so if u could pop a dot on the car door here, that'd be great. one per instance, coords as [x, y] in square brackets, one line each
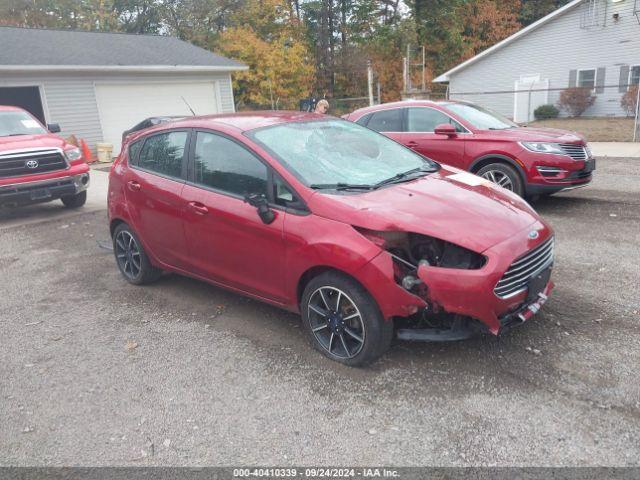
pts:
[228, 242]
[419, 134]
[153, 189]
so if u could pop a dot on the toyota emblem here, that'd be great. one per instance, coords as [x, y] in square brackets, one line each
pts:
[533, 234]
[32, 164]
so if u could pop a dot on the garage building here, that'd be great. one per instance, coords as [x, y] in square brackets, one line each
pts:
[96, 85]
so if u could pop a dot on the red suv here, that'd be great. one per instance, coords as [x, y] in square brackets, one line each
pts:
[527, 161]
[324, 217]
[36, 165]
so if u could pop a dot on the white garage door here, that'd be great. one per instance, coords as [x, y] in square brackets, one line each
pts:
[123, 105]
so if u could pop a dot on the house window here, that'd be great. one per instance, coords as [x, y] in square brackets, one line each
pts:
[634, 75]
[587, 78]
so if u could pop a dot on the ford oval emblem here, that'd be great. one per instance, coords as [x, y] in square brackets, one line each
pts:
[533, 234]
[32, 164]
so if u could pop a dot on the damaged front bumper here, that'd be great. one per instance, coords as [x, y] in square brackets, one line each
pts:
[467, 295]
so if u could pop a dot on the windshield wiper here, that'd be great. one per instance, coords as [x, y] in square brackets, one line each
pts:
[404, 176]
[341, 186]
[15, 134]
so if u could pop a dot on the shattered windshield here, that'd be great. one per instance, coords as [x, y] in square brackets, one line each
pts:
[18, 123]
[327, 153]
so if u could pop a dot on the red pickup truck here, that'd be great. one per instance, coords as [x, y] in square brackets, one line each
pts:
[36, 165]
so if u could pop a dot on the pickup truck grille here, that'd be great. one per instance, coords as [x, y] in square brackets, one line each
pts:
[31, 162]
[577, 152]
[524, 269]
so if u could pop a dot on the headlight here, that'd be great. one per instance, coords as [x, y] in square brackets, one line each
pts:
[73, 154]
[542, 147]
[587, 148]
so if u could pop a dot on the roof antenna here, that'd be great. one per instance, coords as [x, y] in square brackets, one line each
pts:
[188, 106]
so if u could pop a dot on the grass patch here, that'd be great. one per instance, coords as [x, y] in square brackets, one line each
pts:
[595, 129]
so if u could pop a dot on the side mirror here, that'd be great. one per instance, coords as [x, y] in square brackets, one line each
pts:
[446, 129]
[53, 127]
[259, 201]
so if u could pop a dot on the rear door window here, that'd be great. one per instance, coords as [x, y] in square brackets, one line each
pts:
[164, 153]
[427, 119]
[386, 121]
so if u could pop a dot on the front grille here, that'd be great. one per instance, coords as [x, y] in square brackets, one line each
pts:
[577, 152]
[15, 164]
[524, 269]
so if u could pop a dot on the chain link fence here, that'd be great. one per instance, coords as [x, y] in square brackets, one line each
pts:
[620, 101]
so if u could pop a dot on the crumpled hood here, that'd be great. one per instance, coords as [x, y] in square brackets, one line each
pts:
[451, 204]
[538, 134]
[19, 142]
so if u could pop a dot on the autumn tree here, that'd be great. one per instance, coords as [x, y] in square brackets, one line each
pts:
[269, 40]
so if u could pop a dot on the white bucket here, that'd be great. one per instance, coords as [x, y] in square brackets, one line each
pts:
[105, 151]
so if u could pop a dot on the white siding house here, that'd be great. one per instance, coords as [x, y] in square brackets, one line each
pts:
[593, 43]
[96, 85]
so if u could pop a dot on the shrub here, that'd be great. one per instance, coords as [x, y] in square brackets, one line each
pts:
[629, 100]
[546, 111]
[576, 100]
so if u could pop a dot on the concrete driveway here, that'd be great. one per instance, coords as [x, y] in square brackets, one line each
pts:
[97, 372]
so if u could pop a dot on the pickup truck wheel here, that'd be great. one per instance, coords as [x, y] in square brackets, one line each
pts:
[131, 258]
[343, 321]
[75, 201]
[503, 175]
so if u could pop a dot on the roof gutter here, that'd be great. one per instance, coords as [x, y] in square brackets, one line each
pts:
[121, 68]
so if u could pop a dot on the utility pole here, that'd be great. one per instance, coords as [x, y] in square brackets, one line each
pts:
[409, 86]
[379, 100]
[636, 125]
[424, 83]
[370, 82]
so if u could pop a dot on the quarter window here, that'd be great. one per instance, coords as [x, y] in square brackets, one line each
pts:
[163, 153]
[224, 165]
[386, 121]
[134, 150]
[427, 119]
[587, 78]
[364, 119]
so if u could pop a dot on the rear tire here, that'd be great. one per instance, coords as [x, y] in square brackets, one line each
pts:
[75, 201]
[503, 175]
[132, 260]
[343, 321]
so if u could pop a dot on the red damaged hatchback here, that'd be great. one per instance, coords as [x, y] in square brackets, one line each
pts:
[327, 218]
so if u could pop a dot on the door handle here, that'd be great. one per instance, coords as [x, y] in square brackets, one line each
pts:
[198, 208]
[412, 144]
[134, 186]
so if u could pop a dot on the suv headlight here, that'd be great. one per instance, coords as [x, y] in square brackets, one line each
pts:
[73, 154]
[543, 147]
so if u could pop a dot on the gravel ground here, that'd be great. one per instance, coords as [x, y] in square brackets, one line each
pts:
[97, 372]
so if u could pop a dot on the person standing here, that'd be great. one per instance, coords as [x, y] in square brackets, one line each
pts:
[322, 107]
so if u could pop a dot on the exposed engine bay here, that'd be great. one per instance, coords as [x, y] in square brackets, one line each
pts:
[412, 250]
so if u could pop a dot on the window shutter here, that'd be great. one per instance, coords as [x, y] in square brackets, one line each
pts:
[624, 78]
[572, 78]
[600, 74]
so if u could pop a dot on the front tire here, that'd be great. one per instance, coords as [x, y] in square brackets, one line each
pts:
[503, 175]
[343, 321]
[75, 201]
[132, 260]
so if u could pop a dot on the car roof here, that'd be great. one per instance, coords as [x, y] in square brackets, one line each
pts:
[405, 104]
[246, 120]
[10, 108]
